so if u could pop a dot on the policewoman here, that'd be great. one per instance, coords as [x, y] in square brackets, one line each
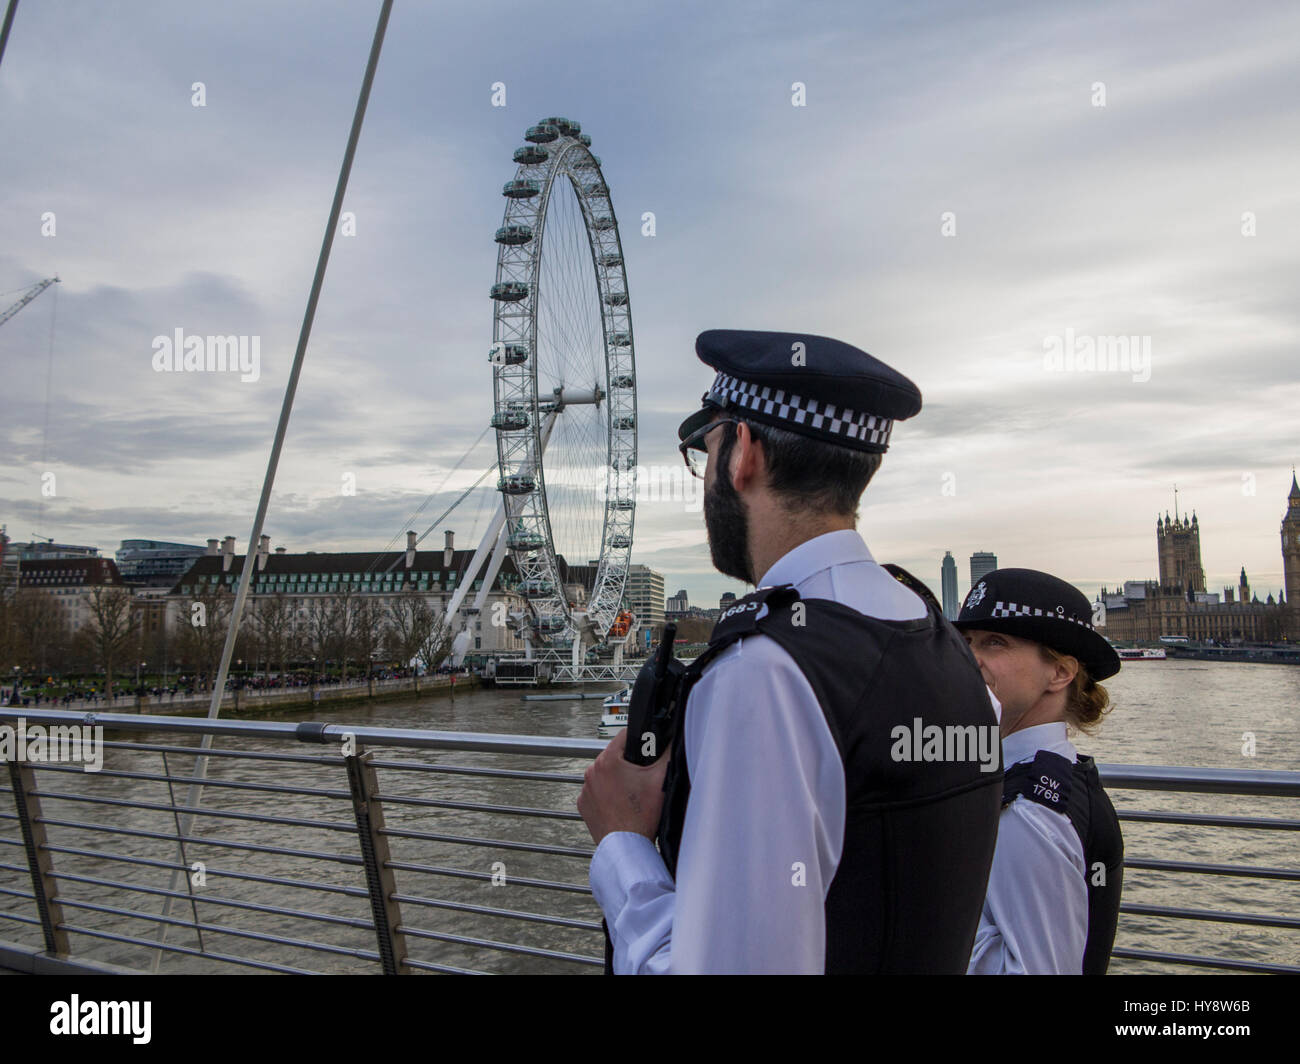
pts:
[779, 834]
[1053, 893]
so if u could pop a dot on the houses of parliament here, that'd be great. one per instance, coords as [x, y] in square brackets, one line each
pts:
[1179, 605]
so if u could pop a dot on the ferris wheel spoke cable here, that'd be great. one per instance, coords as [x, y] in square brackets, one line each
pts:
[584, 510]
[410, 520]
[577, 319]
[570, 317]
[445, 514]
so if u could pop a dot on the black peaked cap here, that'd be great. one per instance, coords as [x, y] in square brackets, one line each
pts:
[1038, 606]
[812, 385]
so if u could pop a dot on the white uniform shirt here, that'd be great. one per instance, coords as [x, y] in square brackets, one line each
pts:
[765, 824]
[1035, 917]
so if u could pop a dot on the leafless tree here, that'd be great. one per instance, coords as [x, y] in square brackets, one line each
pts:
[410, 624]
[39, 628]
[343, 606]
[368, 634]
[201, 632]
[272, 622]
[437, 644]
[319, 634]
[111, 630]
[9, 641]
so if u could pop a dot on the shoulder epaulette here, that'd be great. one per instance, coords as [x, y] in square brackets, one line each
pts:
[913, 584]
[740, 618]
[1047, 780]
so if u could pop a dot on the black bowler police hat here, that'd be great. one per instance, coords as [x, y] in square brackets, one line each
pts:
[1038, 606]
[811, 385]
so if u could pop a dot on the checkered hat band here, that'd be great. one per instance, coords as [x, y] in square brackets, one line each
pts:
[826, 417]
[1010, 609]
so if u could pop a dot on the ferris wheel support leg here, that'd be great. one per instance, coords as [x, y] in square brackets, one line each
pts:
[494, 567]
[490, 541]
[489, 579]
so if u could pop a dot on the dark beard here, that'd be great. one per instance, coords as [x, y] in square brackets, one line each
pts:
[727, 526]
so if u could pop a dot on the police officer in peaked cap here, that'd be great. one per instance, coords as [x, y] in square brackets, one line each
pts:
[797, 822]
[1054, 891]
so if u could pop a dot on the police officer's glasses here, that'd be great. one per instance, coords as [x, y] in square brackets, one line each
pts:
[694, 453]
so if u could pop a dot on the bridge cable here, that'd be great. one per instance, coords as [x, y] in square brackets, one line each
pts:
[309, 315]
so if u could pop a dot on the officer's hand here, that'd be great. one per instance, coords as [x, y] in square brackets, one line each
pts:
[620, 796]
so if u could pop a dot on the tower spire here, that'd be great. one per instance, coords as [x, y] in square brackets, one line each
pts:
[1175, 503]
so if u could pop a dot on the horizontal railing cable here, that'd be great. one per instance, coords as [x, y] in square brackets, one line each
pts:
[211, 872]
[208, 811]
[237, 785]
[170, 947]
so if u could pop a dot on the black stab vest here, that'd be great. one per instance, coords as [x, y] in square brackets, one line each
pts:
[1075, 791]
[919, 835]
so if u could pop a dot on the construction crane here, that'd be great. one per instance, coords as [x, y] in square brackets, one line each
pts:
[28, 296]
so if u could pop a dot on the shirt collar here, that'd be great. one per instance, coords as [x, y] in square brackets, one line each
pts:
[814, 555]
[1024, 744]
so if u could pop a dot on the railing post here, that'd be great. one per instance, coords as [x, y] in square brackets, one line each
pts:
[369, 813]
[28, 803]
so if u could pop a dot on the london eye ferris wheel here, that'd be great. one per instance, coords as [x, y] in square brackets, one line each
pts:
[564, 388]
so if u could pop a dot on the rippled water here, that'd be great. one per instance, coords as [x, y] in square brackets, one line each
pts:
[1186, 713]
[1202, 714]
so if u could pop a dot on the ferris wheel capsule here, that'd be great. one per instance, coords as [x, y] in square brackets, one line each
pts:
[542, 133]
[508, 354]
[566, 127]
[514, 235]
[517, 484]
[531, 155]
[509, 292]
[521, 188]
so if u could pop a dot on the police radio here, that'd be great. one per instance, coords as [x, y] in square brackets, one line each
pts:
[652, 707]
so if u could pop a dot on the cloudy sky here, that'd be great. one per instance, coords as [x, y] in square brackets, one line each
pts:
[966, 190]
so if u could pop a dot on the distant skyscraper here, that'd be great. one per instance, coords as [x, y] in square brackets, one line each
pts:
[154, 563]
[948, 578]
[644, 595]
[982, 563]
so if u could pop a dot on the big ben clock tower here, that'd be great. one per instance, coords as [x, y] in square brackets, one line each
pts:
[1291, 559]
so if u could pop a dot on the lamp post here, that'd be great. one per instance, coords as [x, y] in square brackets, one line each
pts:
[139, 700]
[313, 679]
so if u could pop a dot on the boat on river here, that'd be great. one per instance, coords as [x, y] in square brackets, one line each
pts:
[1141, 653]
[614, 712]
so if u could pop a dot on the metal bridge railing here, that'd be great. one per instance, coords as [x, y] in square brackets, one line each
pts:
[340, 848]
